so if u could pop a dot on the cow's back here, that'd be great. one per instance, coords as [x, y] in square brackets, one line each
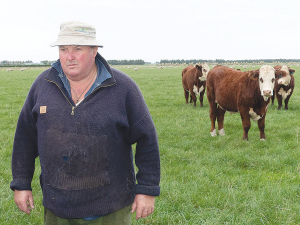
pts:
[190, 77]
[225, 86]
[186, 69]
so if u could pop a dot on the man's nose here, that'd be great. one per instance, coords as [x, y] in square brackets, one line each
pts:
[70, 55]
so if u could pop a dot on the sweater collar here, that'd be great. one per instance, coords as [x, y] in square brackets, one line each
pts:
[104, 75]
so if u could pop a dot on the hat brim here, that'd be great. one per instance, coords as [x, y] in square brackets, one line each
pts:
[70, 40]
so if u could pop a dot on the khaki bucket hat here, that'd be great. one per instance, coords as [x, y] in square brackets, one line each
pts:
[76, 33]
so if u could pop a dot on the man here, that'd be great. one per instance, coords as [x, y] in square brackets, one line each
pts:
[81, 117]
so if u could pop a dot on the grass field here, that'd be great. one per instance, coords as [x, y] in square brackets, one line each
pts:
[204, 180]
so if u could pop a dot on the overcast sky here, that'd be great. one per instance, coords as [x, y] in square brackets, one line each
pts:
[156, 29]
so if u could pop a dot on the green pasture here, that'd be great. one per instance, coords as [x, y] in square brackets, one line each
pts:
[204, 180]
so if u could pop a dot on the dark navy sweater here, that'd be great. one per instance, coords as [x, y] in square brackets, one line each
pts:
[85, 150]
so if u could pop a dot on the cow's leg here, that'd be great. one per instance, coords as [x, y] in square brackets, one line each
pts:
[261, 127]
[213, 116]
[286, 102]
[220, 118]
[273, 97]
[279, 98]
[246, 122]
[186, 95]
[212, 111]
[193, 96]
[201, 98]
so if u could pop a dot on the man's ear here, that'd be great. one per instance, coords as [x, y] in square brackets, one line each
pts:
[94, 50]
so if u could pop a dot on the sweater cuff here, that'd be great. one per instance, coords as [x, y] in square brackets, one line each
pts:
[20, 184]
[147, 190]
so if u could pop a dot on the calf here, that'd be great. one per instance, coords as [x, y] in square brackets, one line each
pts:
[194, 82]
[284, 87]
[245, 92]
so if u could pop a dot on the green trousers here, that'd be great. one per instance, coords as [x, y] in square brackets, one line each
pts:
[122, 217]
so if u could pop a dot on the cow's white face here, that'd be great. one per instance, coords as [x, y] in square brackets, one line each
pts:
[205, 70]
[287, 79]
[266, 81]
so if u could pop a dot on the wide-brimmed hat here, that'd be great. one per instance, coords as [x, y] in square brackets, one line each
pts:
[76, 33]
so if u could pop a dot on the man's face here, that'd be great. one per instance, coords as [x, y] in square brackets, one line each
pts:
[77, 61]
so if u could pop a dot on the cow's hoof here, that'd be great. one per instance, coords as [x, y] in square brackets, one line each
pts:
[213, 133]
[262, 139]
[222, 132]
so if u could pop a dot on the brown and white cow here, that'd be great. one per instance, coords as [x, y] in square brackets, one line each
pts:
[245, 92]
[284, 87]
[194, 82]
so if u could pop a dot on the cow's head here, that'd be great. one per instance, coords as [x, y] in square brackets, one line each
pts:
[199, 71]
[205, 70]
[266, 79]
[285, 80]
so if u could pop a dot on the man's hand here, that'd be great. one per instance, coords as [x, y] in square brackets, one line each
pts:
[24, 200]
[143, 205]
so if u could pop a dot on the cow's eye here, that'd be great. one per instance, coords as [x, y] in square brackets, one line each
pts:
[261, 80]
[273, 80]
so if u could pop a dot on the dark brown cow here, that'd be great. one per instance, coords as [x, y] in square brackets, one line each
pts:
[245, 92]
[193, 82]
[284, 87]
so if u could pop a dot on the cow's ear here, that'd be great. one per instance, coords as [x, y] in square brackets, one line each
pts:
[199, 67]
[291, 71]
[279, 74]
[253, 74]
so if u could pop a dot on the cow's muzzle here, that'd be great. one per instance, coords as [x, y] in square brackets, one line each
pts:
[267, 93]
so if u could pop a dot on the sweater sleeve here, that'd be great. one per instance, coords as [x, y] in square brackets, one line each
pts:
[24, 147]
[142, 132]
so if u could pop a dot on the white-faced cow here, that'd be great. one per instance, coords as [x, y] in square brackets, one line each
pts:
[245, 92]
[284, 87]
[194, 82]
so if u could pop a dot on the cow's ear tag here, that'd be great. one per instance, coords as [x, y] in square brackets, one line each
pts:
[43, 109]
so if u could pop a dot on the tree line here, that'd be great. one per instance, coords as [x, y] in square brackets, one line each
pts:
[126, 62]
[24, 63]
[142, 62]
[194, 61]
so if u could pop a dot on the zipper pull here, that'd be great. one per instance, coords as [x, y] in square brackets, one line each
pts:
[72, 113]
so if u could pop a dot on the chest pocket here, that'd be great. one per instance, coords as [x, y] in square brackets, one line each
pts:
[75, 161]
